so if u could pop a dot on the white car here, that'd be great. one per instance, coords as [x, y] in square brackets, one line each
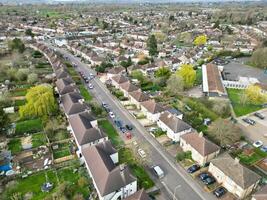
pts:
[91, 86]
[258, 144]
[112, 115]
[141, 153]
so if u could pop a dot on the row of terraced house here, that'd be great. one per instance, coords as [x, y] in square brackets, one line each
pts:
[112, 180]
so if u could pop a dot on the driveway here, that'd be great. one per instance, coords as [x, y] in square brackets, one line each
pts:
[177, 184]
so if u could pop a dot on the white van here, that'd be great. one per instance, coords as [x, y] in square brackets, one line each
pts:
[158, 171]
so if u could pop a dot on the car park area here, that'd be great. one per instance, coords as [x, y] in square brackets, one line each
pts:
[257, 131]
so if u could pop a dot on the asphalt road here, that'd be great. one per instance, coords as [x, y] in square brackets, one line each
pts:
[177, 184]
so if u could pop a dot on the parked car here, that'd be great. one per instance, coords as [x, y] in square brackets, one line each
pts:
[111, 114]
[220, 191]
[209, 180]
[249, 121]
[203, 176]
[258, 144]
[118, 123]
[123, 129]
[264, 149]
[91, 86]
[128, 135]
[158, 171]
[104, 105]
[129, 126]
[141, 153]
[259, 115]
[193, 168]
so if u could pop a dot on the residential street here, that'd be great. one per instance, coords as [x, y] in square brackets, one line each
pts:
[176, 179]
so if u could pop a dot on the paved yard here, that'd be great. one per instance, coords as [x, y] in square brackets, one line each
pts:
[258, 131]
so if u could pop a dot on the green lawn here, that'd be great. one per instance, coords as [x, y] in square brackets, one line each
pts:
[198, 80]
[126, 156]
[29, 126]
[240, 109]
[252, 159]
[58, 135]
[110, 131]
[20, 102]
[62, 151]
[14, 145]
[38, 139]
[32, 184]
[84, 92]
[18, 92]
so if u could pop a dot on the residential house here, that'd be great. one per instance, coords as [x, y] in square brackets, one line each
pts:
[202, 150]
[173, 126]
[236, 178]
[85, 130]
[73, 103]
[128, 87]
[117, 80]
[115, 71]
[136, 97]
[61, 73]
[139, 195]
[111, 180]
[152, 110]
[261, 194]
[65, 85]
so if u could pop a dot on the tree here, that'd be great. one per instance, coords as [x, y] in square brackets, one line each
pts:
[4, 120]
[127, 63]
[163, 72]
[254, 95]
[40, 102]
[32, 78]
[200, 40]
[16, 44]
[160, 36]
[137, 74]
[175, 84]
[188, 74]
[224, 132]
[216, 24]
[152, 45]
[259, 58]
[29, 32]
[22, 74]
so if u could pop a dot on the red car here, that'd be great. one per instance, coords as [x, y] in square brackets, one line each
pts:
[128, 135]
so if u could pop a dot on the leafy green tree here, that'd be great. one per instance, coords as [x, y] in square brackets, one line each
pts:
[127, 63]
[16, 44]
[259, 58]
[254, 95]
[40, 102]
[29, 32]
[4, 120]
[32, 78]
[22, 74]
[152, 45]
[163, 72]
[188, 74]
[175, 84]
[137, 74]
[200, 40]
[224, 132]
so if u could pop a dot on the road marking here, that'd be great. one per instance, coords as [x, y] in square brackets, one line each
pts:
[143, 132]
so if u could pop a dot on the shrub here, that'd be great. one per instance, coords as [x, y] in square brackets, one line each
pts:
[183, 155]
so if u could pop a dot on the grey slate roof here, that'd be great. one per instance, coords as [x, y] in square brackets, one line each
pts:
[174, 123]
[65, 85]
[241, 175]
[200, 143]
[83, 130]
[261, 194]
[119, 79]
[129, 87]
[139, 195]
[71, 103]
[152, 106]
[107, 176]
[139, 96]
[61, 73]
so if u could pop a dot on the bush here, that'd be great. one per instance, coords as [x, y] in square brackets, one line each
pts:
[183, 155]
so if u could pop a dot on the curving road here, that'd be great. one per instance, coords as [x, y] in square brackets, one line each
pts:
[176, 184]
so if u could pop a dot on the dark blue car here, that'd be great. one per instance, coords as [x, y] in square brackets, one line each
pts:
[193, 168]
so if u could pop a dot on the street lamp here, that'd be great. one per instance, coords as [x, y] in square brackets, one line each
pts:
[174, 192]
